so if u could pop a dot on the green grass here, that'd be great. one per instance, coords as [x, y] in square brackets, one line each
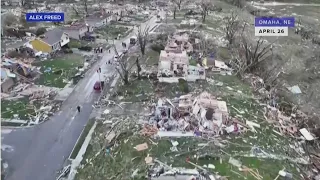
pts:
[74, 43]
[193, 62]
[137, 90]
[224, 54]
[67, 65]
[20, 107]
[112, 32]
[13, 124]
[176, 20]
[151, 57]
[81, 139]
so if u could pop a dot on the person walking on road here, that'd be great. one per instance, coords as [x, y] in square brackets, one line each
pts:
[78, 108]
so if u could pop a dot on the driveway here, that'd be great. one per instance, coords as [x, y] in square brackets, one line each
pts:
[38, 152]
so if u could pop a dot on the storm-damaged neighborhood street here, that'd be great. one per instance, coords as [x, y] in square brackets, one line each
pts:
[48, 145]
[159, 90]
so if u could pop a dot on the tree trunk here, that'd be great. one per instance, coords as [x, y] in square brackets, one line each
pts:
[204, 15]
[143, 48]
[86, 7]
[138, 68]
[126, 78]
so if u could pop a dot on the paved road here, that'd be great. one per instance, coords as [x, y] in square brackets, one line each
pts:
[37, 153]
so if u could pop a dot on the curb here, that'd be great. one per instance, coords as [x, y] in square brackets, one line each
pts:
[69, 158]
[79, 157]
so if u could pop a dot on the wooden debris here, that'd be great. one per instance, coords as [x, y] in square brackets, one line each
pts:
[141, 147]
[148, 130]
[148, 159]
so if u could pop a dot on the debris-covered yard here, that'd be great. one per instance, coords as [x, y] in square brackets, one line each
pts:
[17, 109]
[222, 126]
[250, 150]
[112, 32]
[57, 72]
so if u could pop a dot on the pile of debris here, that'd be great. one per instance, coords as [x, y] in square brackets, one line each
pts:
[286, 125]
[286, 122]
[38, 95]
[203, 115]
[289, 121]
[160, 170]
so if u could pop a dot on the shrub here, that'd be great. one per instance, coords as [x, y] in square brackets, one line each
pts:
[85, 48]
[41, 31]
[183, 86]
[74, 44]
[157, 47]
[67, 51]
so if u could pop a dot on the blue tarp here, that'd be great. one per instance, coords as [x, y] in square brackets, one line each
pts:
[3, 73]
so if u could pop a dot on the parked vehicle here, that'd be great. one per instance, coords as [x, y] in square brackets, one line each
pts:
[133, 40]
[88, 38]
[98, 86]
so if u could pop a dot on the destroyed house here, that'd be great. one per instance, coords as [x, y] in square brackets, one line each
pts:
[173, 47]
[98, 19]
[7, 80]
[77, 31]
[213, 113]
[116, 12]
[178, 43]
[173, 64]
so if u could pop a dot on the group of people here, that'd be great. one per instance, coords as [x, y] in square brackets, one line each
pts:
[98, 50]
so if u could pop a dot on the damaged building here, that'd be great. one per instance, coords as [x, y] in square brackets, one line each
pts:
[191, 115]
[174, 61]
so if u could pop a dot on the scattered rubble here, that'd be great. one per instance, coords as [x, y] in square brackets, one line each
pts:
[36, 94]
[203, 115]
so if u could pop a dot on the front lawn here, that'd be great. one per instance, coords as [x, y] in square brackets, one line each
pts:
[58, 71]
[20, 108]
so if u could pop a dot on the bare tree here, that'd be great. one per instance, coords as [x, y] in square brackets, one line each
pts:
[206, 45]
[232, 26]
[176, 6]
[251, 55]
[123, 67]
[75, 10]
[24, 2]
[138, 68]
[143, 36]
[206, 6]
[174, 11]
[85, 5]
[179, 2]
[239, 3]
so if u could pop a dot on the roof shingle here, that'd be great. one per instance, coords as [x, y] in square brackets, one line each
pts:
[53, 36]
